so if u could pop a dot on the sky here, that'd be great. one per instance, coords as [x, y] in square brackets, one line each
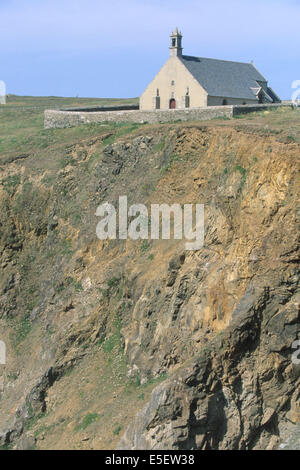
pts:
[113, 48]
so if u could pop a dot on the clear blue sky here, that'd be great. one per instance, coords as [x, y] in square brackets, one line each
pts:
[113, 48]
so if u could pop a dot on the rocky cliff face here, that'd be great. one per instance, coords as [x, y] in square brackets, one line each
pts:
[215, 327]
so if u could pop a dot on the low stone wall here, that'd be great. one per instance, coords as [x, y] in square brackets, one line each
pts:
[60, 119]
[252, 108]
[54, 118]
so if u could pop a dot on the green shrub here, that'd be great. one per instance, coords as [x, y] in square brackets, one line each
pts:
[68, 160]
[117, 430]
[78, 287]
[145, 246]
[113, 282]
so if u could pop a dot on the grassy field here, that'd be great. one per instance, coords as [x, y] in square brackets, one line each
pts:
[22, 123]
[22, 130]
[57, 102]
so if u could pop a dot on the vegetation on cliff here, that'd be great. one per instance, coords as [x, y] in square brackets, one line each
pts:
[190, 349]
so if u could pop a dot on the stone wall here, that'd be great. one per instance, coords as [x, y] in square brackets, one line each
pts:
[252, 108]
[60, 119]
[54, 118]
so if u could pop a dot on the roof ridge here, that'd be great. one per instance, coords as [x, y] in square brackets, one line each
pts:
[220, 60]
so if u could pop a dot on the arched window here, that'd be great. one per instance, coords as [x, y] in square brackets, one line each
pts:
[172, 83]
[157, 92]
[187, 91]
[224, 102]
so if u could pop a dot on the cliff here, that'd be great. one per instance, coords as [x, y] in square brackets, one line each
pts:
[142, 344]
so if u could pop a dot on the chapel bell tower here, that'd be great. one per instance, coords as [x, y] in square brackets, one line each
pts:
[176, 44]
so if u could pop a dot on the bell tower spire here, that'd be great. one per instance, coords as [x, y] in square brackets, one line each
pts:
[176, 44]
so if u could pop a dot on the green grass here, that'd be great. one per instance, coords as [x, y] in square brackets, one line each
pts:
[22, 130]
[67, 160]
[78, 287]
[137, 385]
[167, 167]
[12, 376]
[243, 173]
[62, 102]
[109, 140]
[22, 126]
[160, 145]
[21, 330]
[88, 419]
[160, 378]
[109, 344]
[6, 447]
[69, 371]
[113, 342]
[66, 247]
[120, 129]
[33, 421]
[10, 183]
[114, 288]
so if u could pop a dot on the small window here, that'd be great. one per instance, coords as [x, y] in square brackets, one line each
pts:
[157, 92]
[187, 91]
[173, 42]
[172, 83]
[224, 102]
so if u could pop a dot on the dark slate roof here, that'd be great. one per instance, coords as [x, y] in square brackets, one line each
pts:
[224, 78]
[273, 95]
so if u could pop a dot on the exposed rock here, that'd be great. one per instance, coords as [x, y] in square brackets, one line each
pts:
[219, 323]
[230, 397]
